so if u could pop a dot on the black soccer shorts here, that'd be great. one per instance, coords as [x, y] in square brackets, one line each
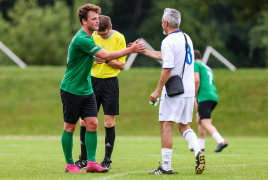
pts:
[107, 94]
[75, 106]
[205, 109]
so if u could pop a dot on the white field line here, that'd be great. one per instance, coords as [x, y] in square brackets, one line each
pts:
[132, 172]
[119, 175]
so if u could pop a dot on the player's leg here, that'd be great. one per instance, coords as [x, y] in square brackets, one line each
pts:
[82, 162]
[109, 123]
[71, 107]
[89, 115]
[205, 109]
[166, 144]
[183, 124]
[201, 133]
[166, 116]
[109, 91]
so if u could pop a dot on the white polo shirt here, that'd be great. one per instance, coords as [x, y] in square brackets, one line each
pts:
[173, 55]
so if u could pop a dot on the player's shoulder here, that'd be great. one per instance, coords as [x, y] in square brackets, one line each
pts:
[81, 36]
[118, 35]
[198, 63]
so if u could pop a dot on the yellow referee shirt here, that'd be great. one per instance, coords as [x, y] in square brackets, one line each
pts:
[114, 42]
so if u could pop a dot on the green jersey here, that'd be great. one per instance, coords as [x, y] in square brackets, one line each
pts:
[207, 90]
[77, 78]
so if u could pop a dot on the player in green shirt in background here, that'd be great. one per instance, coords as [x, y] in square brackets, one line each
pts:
[206, 99]
[77, 95]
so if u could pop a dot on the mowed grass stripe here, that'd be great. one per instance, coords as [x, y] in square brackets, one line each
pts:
[134, 158]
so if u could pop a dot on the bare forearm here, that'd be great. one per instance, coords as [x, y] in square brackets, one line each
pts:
[197, 85]
[153, 54]
[116, 54]
[163, 79]
[116, 64]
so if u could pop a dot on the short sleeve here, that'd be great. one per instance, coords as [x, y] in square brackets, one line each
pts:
[196, 68]
[167, 55]
[87, 45]
[121, 46]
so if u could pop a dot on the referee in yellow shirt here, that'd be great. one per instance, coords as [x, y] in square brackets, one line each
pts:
[105, 85]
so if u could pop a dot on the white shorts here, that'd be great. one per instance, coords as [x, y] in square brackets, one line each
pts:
[176, 109]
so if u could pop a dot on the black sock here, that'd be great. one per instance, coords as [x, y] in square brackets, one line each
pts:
[109, 141]
[82, 141]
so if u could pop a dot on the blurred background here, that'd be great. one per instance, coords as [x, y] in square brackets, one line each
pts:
[39, 33]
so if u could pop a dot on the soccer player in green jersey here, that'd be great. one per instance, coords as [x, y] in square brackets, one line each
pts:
[206, 99]
[106, 88]
[77, 96]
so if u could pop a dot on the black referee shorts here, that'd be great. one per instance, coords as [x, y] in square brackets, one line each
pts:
[107, 94]
[75, 106]
[205, 109]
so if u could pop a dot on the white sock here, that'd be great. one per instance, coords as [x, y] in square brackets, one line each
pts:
[202, 143]
[166, 158]
[191, 138]
[217, 137]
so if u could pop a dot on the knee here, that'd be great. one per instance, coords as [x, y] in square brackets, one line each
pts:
[183, 127]
[82, 123]
[109, 121]
[69, 127]
[108, 124]
[92, 125]
[165, 131]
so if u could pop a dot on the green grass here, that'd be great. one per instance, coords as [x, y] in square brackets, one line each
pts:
[41, 157]
[30, 102]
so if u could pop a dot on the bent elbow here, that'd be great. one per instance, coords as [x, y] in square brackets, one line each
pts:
[122, 67]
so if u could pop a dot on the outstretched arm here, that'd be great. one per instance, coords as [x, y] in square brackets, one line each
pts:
[153, 54]
[108, 56]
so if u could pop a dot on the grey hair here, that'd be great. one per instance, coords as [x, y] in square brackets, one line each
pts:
[173, 17]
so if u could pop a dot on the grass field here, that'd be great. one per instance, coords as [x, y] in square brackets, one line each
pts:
[30, 102]
[41, 157]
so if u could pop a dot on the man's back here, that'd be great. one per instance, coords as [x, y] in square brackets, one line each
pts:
[207, 89]
[173, 54]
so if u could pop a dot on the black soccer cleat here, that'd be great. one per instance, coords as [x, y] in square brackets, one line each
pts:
[221, 146]
[82, 164]
[106, 163]
[161, 171]
[200, 163]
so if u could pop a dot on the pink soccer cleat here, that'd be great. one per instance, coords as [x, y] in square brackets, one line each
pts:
[95, 167]
[72, 168]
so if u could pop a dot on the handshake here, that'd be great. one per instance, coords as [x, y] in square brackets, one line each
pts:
[139, 47]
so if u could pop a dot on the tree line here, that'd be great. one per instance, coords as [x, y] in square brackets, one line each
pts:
[39, 31]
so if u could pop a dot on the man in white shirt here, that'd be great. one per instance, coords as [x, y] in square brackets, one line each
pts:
[176, 109]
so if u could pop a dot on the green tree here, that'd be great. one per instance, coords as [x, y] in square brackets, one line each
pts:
[259, 36]
[39, 36]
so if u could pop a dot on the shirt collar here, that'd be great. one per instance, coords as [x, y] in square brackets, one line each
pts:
[176, 31]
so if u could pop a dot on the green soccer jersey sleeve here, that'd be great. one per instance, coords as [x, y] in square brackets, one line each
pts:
[207, 89]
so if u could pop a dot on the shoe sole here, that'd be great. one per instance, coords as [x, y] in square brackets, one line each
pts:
[99, 171]
[222, 148]
[201, 165]
[73, 172]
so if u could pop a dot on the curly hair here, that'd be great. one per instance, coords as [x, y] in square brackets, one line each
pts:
[83, 11]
